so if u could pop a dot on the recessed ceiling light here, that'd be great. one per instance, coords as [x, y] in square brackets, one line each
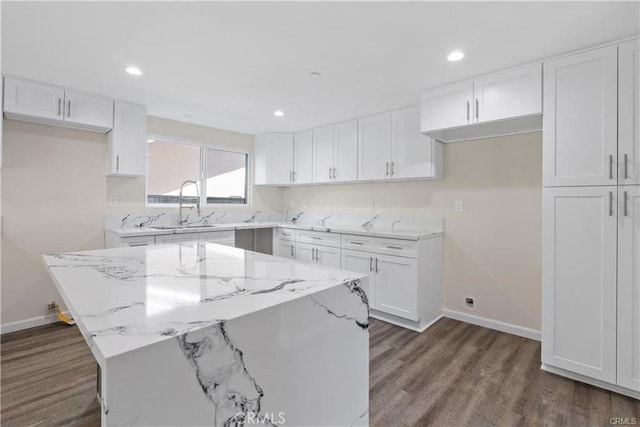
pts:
[134, 71]
[151, 140]
[456, 55]
[314, 75]
[278, 113]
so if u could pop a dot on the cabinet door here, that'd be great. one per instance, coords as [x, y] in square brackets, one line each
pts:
[374, 147]
[329, 257]
[303, 157]
[345, 153]
[286, 249]
[629, 288]
[323, 154]
[580, 119]
[412, 151]
[128, 140]
[176, 238]
[506, 94]
[361, 262]
[33, 99]
[397, 286]
[227, 238]
[446, 107]
[579, 280]
[629, 112]
[280, 166]
[88, 110]
[305, 252]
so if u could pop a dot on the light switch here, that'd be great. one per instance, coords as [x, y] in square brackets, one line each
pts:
[113, 201]
[372, 205]
[459, 206]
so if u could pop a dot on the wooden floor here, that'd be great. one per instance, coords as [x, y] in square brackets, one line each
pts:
[454, 374]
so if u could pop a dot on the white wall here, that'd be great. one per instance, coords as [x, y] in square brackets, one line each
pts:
[54, 199]
[492, 250]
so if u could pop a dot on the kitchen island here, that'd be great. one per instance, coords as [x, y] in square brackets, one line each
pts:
[203, 334]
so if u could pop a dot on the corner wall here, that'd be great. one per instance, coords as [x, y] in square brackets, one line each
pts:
[492, 250]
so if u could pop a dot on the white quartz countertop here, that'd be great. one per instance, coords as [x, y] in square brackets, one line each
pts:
[127, 298]
[341, 229]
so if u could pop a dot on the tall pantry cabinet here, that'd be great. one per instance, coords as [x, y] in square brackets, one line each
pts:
[591, 217]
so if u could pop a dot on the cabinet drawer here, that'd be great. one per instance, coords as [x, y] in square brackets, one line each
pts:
[358, 243]
[405, 248]
[287, 234]
[227, 237]
[137, 241]
[175, 238]
[318, 238]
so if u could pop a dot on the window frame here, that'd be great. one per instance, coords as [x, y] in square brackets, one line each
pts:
[203, 146]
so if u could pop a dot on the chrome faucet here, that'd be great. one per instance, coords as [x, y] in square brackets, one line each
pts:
[182, 221]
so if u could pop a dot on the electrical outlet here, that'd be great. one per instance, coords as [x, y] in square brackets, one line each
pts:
[52, 306]
[469, 302]
[113, 201]
[372, 205]
[458, 206]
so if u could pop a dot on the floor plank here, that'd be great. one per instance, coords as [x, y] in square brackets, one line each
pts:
[453, 374]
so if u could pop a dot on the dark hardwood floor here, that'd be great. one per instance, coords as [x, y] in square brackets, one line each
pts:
[454, 374]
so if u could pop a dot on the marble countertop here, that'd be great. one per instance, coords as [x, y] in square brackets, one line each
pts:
[342, 229]
[127, 298]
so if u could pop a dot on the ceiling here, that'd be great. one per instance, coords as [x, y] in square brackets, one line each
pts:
[231, 65]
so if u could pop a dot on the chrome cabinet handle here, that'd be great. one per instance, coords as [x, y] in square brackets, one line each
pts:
[610, 166]
[477, 110]
[626, 166]
[329, 173]
[467, 111]
[356, 243]
[315, 237]
[610, 203]
[626, 211]
[370, 264]
[387, 170]
[69, 108]
[394, 247]
[392, 172]
[376, 265]
[292, 251]
[334, 173]
[59, 106]
[118, 162]
[293, 176]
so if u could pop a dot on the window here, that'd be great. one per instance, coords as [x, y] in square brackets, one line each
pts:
[221, 173]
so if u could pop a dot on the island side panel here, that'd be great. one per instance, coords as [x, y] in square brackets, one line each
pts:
[304, 362]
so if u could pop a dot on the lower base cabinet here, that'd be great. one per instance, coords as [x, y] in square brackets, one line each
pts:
[225, 237]
[323, 255]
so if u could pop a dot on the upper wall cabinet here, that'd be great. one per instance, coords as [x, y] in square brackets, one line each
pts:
[581, 120]
[127, 141]
[390, 146]
[335, 153]
[42, 103]
[629, 112]
[273, 159]
[302, 157]
[501, 103]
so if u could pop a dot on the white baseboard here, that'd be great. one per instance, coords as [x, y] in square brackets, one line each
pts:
[577, 377]
[493, 324]
[398, 321]
[30, 323]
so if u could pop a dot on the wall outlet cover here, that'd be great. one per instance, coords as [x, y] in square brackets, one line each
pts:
[113, 201]
[458, 206]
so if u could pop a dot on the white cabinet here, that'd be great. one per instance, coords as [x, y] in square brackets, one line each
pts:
[303, 157]
[580, 119]
[629, 112]
[176, 238]
[318, 247]
[396, 290]
[374, 147]
[361, 262]
[83, 109]
[286, 249]
[124, 242]
[335, 153]
[500, 103]
[390, 146]
[579, 280]
[413, 155]
[447, 107]
[42, 103]
[127, 141]
[273, 159]
[323, 145]
[628, 372]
